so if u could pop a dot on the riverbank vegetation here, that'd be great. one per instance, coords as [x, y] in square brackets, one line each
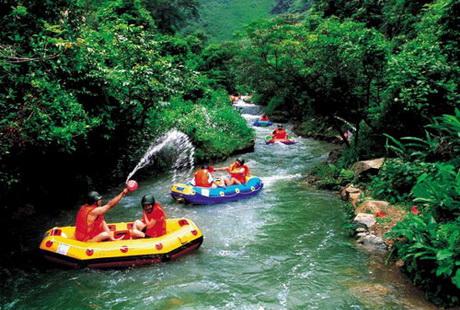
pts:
[388, 73]
[88, 85]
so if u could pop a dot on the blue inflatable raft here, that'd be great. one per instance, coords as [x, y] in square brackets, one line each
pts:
[260, 123]
[206, 195]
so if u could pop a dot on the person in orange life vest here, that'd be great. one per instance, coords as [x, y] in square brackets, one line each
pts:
[264, 118]
[153, 222]
[238, 172]
[90, 224]
[203, 177]
[279, 133]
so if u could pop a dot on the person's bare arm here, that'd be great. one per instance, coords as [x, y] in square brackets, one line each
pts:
[221, 169]
[112, 203]
[148, 222]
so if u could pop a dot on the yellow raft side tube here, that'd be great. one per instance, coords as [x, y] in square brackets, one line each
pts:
[182, 236]
[183, 188]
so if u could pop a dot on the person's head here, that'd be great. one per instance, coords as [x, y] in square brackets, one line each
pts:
[240, 161]
[94, 198]
[147, 203]
[280, 126]
[205, 167]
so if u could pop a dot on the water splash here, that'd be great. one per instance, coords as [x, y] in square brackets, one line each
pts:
[268, 181]
[250, 117]
[248, 108]
[181, 146]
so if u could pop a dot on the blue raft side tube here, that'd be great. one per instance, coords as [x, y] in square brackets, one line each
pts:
[207, 196]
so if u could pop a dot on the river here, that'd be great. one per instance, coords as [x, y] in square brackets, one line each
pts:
[286, 248]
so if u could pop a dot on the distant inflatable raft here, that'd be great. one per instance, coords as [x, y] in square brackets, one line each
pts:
[60, 246]
[271, 140]
[260, 123]
[205, 196]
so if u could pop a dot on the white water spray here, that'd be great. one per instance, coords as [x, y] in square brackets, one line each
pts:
[182, 147]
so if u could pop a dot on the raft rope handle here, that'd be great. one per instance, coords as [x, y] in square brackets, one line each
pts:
[134, 246]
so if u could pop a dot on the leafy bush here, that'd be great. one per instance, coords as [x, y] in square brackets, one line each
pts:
[429, 243]
[215, 128]
[431, 252]
[332, 177]
[396, 179]
[440, 190]
[441, 141]
[274, 104]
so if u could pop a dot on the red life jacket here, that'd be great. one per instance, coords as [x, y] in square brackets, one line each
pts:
[264, 118]
[280, 134]
[239, 173]
[157, 214]
[84, 229]
[202, 178]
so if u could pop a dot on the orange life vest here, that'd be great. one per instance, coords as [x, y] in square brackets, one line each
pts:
[159, 215]
[280, 134]
[264, 118]
[240, 173]
[202, 178]
[84, 229]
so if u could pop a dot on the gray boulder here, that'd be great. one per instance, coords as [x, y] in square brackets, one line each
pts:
[365, 219]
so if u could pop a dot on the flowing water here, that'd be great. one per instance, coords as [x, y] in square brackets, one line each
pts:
[182, 150]
[286, 248]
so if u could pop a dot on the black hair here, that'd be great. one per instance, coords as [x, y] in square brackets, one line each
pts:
[241, 161]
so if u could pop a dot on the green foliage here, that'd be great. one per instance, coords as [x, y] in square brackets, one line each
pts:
[421, 84]
[274, 104]
[216, 62]
[81, 82]
[400, 18]
[327, 64]
[214, 126]
[332, 177]
[441, 142]
[396, 179]
[440, 190]
[221, 19]
[369, 12]
[172, 15]
[429, 244]
[431, 252]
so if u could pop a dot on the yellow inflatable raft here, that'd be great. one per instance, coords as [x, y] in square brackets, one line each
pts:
[59, 245]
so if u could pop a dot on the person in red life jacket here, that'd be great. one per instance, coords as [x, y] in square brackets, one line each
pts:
[279, 133]
[153, 222]
[264, 118]
[238, 172]
[90, 224]
[203, 177]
